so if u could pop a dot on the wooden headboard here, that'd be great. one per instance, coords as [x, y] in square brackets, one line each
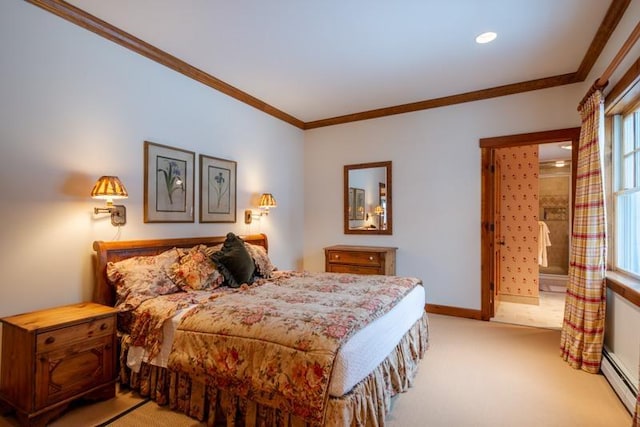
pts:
[104, 292]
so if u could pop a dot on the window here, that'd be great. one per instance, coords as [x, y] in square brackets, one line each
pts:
[626, 191]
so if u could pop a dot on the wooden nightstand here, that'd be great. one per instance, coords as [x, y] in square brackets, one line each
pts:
[360, 259]
[52, 357]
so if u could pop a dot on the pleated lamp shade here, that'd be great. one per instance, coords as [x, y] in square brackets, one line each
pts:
[267, 201]
[109, 188]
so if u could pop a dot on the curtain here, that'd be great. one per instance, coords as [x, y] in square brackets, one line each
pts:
[582, 334]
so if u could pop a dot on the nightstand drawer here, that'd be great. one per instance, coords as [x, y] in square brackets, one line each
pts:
[63, 337]
[360, 258]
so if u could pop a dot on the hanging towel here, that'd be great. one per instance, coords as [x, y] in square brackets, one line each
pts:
[543, 242]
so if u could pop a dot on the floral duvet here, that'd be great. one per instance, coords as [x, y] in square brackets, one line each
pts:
[275, 342]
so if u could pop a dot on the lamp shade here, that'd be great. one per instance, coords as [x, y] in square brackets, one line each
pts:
[267, 201]
[108, 188]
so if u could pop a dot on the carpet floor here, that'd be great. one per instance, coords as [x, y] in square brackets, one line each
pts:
[474, 374]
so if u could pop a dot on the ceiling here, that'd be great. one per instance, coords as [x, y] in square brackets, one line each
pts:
[315, 60]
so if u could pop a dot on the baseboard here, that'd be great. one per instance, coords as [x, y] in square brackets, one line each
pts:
[453, 311]
[619, 381]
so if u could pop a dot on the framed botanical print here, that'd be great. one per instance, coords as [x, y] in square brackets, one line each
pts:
[169, 177]
[217, 189]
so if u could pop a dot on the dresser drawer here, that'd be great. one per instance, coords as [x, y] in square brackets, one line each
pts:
[63, 337]
[352, 257]
[354, 269]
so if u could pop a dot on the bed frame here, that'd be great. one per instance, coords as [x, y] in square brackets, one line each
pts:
[106, 252]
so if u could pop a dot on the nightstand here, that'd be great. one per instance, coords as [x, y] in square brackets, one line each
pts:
[52, 357]
[360, 259]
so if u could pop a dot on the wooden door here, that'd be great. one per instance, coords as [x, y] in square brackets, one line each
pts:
[498, 238]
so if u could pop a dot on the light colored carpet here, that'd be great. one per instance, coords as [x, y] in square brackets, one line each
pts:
[150, 414]
[491, 374]
[475, 374]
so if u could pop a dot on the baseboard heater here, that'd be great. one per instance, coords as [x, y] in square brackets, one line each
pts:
[619, 380]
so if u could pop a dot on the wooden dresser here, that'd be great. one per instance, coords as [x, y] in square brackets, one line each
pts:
[52, 357]
[360, 259]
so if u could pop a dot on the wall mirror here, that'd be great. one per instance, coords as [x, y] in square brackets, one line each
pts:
[367, 198]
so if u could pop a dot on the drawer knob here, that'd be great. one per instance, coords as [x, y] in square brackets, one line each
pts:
[370, 258]
[103, 326]
[336, 256]
[50, 340]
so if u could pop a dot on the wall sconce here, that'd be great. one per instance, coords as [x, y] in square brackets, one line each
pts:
[379, 210]
[266, 201]
[109, 188]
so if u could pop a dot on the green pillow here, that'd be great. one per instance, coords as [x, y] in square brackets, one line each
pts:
[234, 261]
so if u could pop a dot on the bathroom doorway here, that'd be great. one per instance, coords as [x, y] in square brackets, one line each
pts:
[511, 261]
[543, 230]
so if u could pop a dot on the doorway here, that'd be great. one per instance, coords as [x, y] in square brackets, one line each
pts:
[491, 235]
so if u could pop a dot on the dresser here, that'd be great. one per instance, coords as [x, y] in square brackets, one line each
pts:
[52, 357]
[360, 259]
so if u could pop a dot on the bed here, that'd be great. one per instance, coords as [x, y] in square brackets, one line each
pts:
[198, 359]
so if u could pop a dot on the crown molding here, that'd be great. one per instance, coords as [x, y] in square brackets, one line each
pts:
[92, 23]
[476, 95]
[607, 26]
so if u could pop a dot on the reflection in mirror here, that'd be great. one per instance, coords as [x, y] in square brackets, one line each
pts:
[367, 198]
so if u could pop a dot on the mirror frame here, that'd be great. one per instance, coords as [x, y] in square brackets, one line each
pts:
[347, 168]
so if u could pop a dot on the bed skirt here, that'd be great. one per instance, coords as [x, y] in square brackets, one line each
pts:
[365, 405]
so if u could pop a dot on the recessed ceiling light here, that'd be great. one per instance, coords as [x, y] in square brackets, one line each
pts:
[486, 37]
[567, 146]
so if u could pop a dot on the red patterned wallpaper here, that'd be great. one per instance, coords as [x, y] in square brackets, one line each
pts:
[519, 168]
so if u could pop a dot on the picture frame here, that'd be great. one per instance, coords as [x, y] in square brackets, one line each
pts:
[352, 204]
[218, 189]
[169, 177]
[358, 203]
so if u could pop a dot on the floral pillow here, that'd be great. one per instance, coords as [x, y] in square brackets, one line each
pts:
[142, 277]
[195, 270]
[264, 267]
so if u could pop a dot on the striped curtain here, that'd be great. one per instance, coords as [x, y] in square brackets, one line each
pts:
[582, 334]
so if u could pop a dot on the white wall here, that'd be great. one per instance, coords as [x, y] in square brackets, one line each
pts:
[75, 106]
[436, 183]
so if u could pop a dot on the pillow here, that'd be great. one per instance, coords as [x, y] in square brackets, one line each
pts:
[234, 261]
[264, 267]
[195, 270]
[141, 277]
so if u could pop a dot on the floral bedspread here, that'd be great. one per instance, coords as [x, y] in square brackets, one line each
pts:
[149, 316]
[276, 342]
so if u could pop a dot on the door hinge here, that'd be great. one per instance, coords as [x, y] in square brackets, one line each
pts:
[491, 286]
[492, 227]
[492, 168]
